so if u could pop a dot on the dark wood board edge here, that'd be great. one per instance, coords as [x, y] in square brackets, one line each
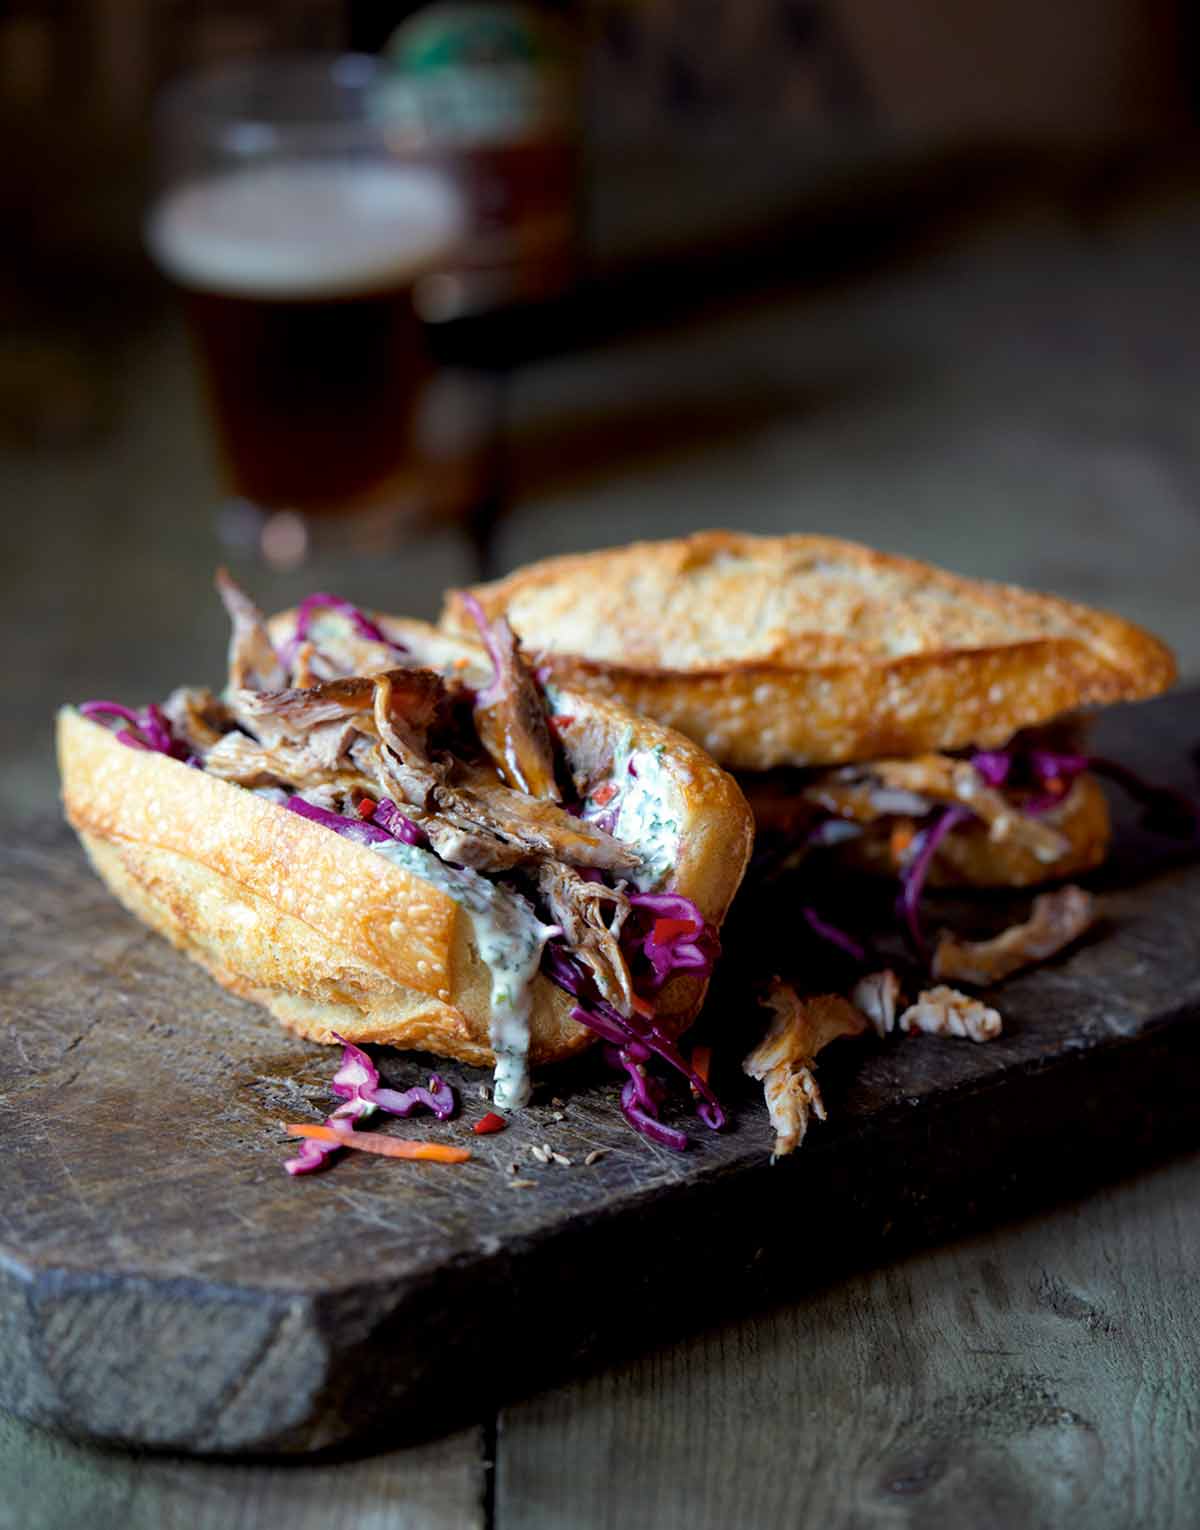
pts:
[374, 1361]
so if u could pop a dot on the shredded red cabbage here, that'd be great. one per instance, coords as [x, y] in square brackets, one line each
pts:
[323, 601]
[358, 1079]
[357, 829]
[313, 1154]
[356, 1083]
[153, 731]
[1051, 771]
[641, 1096]
[362, 624]
[392, 821]
[834, 935]
[692, 950]
[993, 765]
[912, 878]
[598, 1016]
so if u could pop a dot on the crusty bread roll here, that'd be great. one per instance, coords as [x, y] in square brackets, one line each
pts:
[329, 934]
[807, 650]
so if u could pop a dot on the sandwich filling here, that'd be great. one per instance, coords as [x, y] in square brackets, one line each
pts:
[1016, 817]
[558, 868]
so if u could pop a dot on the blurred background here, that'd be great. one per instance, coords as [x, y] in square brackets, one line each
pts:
[923, 275]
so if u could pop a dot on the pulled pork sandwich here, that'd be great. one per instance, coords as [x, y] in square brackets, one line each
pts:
[389, 835]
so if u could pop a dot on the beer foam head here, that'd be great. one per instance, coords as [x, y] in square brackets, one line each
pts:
[321, 228]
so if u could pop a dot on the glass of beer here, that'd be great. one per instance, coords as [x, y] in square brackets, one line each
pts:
[298, 234]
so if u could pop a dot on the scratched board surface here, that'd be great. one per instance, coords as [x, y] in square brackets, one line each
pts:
[163, 1282]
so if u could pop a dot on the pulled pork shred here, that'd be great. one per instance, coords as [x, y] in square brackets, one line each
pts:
[943, 1011]
[591, 916]
[784, 1059]
[253, 661]
[878, 996]
[369, 734]
[511, 720]
[1057, 919]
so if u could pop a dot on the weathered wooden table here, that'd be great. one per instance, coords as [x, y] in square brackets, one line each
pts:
[1022, 404]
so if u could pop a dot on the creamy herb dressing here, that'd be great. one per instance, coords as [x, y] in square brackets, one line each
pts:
[510, 937]
[640, 812]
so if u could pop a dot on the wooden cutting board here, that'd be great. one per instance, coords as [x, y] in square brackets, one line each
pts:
[163, 1282]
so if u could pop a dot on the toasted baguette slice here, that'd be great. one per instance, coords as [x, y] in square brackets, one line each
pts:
[806, 650]
[329, 934]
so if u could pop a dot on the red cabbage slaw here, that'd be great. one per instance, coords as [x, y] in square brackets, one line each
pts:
[153, 731]
[1052, 772]
[321, 600]
[833, 935]
[381, 829]
[357, 1085]
[912, 878]
[638, 1036]
[667, 948]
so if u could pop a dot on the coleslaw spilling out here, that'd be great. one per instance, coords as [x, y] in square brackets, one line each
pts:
[357, 1084]
[146, 729]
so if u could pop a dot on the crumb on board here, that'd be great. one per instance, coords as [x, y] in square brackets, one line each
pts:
[596, 1155]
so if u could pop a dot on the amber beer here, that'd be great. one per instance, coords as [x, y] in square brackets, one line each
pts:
[298, 279]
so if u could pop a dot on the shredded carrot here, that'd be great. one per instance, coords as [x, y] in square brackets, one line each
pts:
[603, 795]
[701, 1061]
[388, 1147]
[667, 929]
[902, 836]
[642, 1007]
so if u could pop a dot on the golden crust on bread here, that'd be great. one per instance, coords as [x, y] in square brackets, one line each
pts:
[332, 936]
[806, 650]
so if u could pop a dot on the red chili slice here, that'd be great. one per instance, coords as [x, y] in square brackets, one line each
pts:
[667, 929]
[488, 1124]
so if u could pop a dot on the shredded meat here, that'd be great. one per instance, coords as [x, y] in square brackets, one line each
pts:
[1057, 919]
[881, 788]
[591, 916]
[877, 996]
[404, 711]
[511, 720]
[409, 784]
[784, 1059]
[546, 831]
[253, 662]
[943, 1011]
[319, 759]
[197, 717]
[371, 732]
[465, 844]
